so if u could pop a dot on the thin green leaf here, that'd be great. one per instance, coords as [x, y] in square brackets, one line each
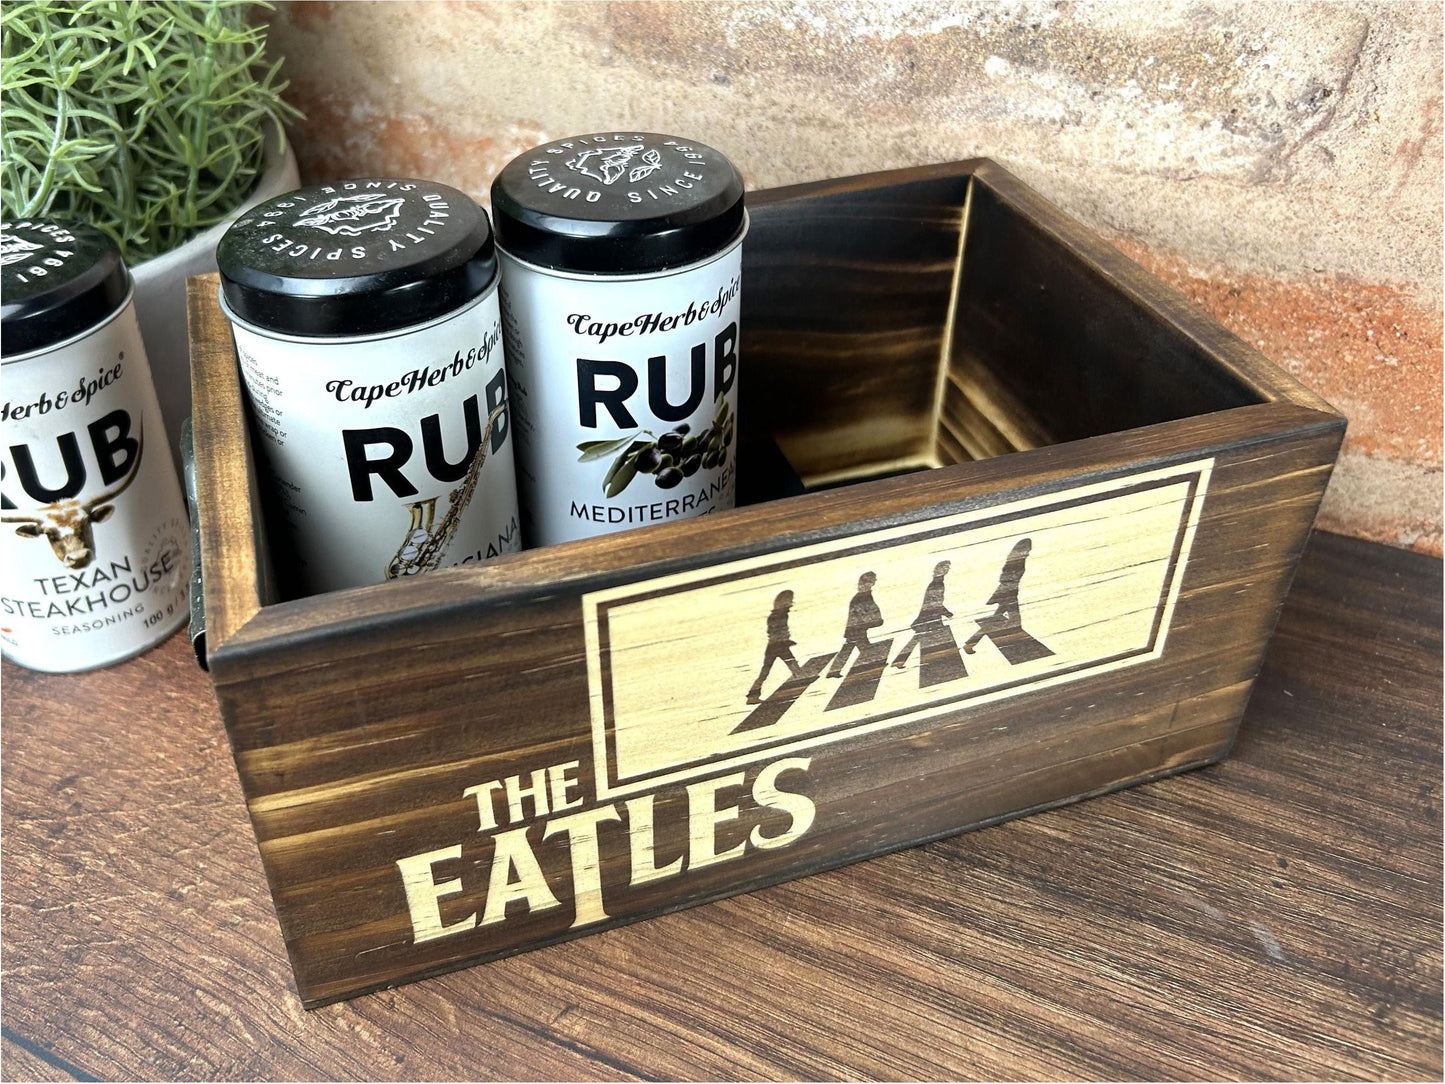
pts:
[146, 119]
[623, 478]
[626, 457]
[602, 449]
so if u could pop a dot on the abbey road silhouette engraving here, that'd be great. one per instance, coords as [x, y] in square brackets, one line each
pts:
[1005, 625]
[780, 644]
[862, 683]
[938, 651]
[709, 669]
[863, 615]
[940, 658]
[769, 711]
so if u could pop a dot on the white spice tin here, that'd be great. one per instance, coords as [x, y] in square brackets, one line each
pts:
[97, 557]
[621, 290]
[368, 331]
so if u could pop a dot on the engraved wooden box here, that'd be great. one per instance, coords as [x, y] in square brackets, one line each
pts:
[1074, 596]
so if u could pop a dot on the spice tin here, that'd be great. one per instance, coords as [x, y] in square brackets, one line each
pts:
[621, 276]
[367, 327]
[97, 558]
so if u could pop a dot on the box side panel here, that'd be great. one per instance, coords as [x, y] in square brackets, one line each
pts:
[845, 308]
[1190, 332]
[515, 769]
[235, 568]
[1061, 348]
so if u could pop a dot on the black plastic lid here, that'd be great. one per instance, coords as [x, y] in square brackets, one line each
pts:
[58, 279]
[356, 257]
[617, 203]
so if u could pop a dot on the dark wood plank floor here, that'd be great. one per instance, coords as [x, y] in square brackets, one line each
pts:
[1278, 915]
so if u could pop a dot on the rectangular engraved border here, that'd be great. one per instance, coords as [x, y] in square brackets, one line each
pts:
[595, 607]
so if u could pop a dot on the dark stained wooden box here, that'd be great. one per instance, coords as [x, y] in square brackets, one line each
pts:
[454, 767]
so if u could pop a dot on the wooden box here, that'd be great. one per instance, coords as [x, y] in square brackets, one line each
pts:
[1073, 596]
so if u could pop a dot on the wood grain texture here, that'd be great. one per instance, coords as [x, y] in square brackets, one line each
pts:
[491, 684]
[235, 562]
[847, 311]
[1274, 916]
[443, 770]
[776, 524]
[1155, 336]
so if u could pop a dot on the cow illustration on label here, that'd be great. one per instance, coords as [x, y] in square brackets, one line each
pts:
[68, 523]
[353, 215]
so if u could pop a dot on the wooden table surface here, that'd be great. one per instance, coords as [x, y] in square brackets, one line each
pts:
[1277, 915]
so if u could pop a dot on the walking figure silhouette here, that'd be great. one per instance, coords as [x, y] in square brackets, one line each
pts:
[939, 659]
[780, 645]
[863, 614]
[931, 614]
[1005, 625]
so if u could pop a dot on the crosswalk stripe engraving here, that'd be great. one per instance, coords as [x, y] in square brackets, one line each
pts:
[861, 683]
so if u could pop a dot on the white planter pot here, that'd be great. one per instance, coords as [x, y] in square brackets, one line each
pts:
[160, 293]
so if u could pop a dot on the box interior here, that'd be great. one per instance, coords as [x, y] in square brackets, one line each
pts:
[931, 322]
[890, 328]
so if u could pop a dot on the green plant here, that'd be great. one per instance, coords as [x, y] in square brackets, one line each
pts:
[147, 119]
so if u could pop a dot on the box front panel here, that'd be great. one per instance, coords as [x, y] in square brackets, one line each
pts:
[441, 788]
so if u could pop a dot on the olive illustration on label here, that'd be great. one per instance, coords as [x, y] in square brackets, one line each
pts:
[668, 458]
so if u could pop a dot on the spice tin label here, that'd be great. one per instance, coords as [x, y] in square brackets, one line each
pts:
[776, 655]
[626, 395]
[96, 543]
[390, 455]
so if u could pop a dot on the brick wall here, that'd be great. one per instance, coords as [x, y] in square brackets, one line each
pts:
[1280, 164]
